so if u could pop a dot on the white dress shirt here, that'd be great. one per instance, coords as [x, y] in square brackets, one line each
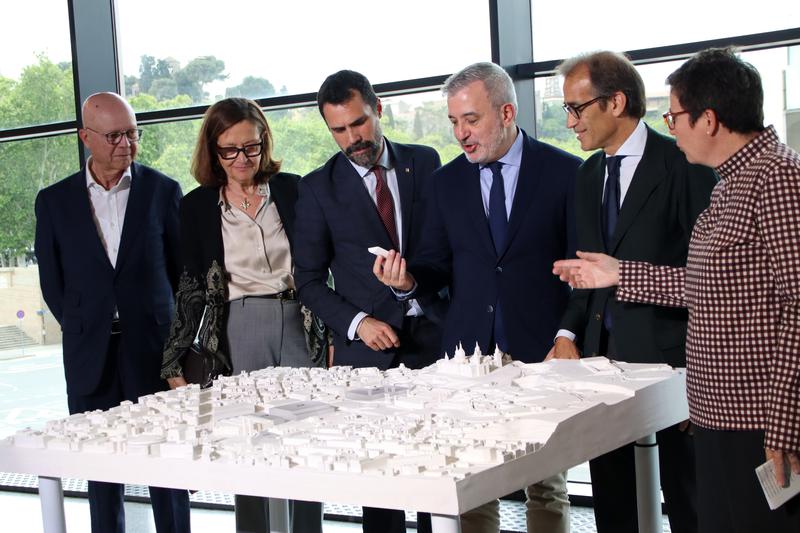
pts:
[108, 210]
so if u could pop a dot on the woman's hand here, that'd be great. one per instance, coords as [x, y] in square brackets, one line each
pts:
[176, 382]
[590, 271]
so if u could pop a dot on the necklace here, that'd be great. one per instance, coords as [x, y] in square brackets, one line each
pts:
[245, 205]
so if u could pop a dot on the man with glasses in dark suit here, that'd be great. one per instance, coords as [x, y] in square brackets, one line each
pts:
[636, 198]
[108, 253]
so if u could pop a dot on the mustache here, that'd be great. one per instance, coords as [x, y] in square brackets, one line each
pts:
[360, 146]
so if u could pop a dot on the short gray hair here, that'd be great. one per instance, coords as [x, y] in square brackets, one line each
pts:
[496, 80]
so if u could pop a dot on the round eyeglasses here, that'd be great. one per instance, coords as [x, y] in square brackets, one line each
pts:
[575, 110]
[669, 118]
[115, 137]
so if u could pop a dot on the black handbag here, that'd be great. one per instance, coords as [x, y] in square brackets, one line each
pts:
[200, 365]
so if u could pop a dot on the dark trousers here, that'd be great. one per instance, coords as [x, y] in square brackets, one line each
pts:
[614, 485]
[170, 506]
[420, 340]
[730, 497]
[614, 478]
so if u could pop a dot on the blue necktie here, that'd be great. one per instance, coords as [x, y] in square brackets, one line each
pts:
[498, 219]
[611, 199]
[611, 203]
[498, 224]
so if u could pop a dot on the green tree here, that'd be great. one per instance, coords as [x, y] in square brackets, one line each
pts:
[44, 93]
[251, 87]
[196, 74]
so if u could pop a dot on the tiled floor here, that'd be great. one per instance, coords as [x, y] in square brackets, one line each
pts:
[21, 514]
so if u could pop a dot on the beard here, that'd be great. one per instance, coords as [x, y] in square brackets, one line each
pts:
[371, 153]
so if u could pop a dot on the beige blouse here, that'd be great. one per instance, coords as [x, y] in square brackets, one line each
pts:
[257, 256]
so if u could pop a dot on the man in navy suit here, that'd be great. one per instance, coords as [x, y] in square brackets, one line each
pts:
[107, 247]
[372, 193]
[498, 215]
[658, 196]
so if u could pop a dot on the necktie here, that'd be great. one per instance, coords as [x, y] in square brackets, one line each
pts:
[385, 204]
[611, 203]
[498, 224]
[611, 199]
[498, 219]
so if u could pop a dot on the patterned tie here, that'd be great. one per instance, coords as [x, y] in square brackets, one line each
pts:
[611, 203]
[498, 224]
[611, 199]
[498, 219]
[385, 203]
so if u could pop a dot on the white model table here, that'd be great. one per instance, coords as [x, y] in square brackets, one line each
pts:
[568, 435]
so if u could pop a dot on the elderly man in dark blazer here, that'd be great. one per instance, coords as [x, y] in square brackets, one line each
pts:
[637, 198]
[498, 215]
[107, 246]
[372, 193]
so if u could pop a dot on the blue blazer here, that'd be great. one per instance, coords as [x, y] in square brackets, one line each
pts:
[336, 222]
[458, 249]
[82, 289]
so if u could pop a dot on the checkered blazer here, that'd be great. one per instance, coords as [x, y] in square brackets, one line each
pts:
[741, 284]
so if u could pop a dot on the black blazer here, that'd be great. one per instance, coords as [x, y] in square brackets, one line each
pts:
[336, 222]
[458, 249]
[655, 224]
[82, 289]
[204, 280]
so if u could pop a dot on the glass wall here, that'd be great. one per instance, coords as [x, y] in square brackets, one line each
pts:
[35, 68]
[560, 31]
[777, 73]
[259, 49]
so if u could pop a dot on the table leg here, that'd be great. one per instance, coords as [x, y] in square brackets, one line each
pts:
[51, 497]
[445, 524]
[278, 515]
[648, 485]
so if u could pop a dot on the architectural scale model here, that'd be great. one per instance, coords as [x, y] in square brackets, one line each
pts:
[459, 416]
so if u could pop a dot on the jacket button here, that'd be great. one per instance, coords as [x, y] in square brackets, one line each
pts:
[597, 316]
[498, 269]
[490, 309]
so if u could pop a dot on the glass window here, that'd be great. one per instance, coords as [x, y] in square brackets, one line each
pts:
[207, 51]
[302, 141]
[560, 31]
[774, 66]
[36, 84]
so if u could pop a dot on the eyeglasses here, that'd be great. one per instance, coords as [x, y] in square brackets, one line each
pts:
[669, 118]
[116, 136]
[575, 110]
[232, 152]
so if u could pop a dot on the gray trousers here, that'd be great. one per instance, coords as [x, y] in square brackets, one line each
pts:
[265, 332]
[546, 510]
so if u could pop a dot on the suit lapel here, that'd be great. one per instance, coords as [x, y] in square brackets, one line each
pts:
[404, 171]
[527, 183]
[352, 193]
[135, 213]
[597, 171]
[649, 173]
[84, 218]
[473, 203]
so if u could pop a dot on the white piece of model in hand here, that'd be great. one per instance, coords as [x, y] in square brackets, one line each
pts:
[377, 250]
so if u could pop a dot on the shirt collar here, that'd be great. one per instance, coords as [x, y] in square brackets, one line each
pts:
[738, 161]
[262, 190]
[125, 180]
[384, 160]
[634, 144]
[514, 155]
